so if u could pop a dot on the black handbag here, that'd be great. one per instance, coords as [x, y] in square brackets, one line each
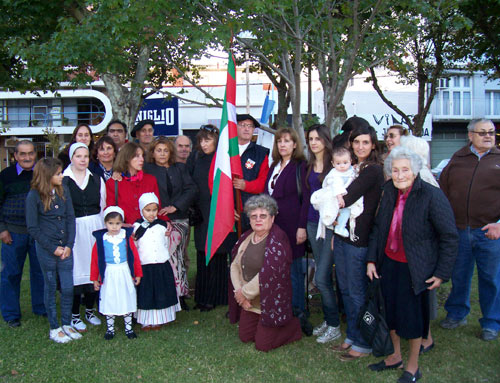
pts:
[371, 321]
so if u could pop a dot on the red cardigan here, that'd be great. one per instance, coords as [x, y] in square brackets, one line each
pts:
[129, 193]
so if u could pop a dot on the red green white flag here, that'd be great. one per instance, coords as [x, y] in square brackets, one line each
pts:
[227, 165]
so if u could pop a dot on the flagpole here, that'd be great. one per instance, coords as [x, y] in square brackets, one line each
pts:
[238, 210]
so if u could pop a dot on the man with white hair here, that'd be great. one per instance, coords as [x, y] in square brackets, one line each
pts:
[471, 181]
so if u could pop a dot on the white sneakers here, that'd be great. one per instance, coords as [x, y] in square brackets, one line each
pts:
[318, 330]
[326, 333]
[78, 324]
[71, 332]
[90, 317]
[59, 336]
[64, 334]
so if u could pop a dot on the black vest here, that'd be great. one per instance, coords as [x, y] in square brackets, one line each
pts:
[87, 201]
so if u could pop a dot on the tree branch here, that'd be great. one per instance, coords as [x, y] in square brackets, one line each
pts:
[387, 101]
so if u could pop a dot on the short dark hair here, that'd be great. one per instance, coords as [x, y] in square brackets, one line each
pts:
[340, 151]
[207, 132]
[116, 122]
[100, 143]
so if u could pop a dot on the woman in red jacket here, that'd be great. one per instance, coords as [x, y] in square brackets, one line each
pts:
[134, 182]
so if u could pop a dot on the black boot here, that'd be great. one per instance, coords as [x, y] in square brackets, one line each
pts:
[305, 325]
[183, 303]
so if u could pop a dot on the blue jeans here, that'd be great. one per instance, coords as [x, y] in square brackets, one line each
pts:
[52, 267]
[350, 266]
[474, 246]
[298, 289]
[323, 259]
[13, 258]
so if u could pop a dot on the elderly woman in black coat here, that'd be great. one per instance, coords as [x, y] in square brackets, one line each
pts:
[412, 248]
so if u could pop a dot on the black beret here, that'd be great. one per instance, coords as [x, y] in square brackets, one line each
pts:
[243, 117]
[140, 125]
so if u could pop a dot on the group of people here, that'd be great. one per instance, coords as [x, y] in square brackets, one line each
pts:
[121, 212]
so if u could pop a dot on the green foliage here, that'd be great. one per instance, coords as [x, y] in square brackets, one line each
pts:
[479, 40]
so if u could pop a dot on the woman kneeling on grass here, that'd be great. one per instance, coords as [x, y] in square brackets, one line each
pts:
[50, 220]
[414, 243]
[260, 275]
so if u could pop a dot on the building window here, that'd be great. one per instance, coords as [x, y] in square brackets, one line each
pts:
[456, 103]
[467, 103]
[492, 103]
[453, 98]
[446, 102]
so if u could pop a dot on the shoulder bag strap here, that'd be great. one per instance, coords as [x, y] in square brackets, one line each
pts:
[116, 192]
[299, 182]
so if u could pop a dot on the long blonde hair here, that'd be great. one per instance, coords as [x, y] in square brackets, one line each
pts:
[44, 170]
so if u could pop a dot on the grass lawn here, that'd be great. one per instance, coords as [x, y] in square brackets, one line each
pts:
[204, 347]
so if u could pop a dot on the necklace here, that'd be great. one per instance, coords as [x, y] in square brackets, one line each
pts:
[256, 240]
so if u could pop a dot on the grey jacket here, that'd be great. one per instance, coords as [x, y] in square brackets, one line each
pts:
[54, 227]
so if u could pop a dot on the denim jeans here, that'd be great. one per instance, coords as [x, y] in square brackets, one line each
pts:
[52, 267]
[298, 289]
[350, 266]
[13, 258]
[323, 259]
[474, 246]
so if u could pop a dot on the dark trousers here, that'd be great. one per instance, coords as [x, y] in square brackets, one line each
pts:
[13, 259]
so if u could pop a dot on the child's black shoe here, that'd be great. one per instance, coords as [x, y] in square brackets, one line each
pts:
[131, 334]
[109, 335]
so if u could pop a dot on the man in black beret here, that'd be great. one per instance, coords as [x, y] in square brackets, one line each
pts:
[254, 162]
[144, 132]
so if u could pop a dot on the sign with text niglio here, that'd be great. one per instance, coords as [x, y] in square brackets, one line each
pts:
[164, 112]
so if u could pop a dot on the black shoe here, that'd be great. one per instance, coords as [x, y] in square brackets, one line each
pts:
[183, 303]
[407, 377]
[14, 323]
[199, 306]
[109, 335]
[423, 349]
[131, 334]
[381, 366]
[207, 308]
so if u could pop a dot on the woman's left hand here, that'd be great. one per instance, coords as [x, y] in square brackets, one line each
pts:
[435, 283]
[301, 236]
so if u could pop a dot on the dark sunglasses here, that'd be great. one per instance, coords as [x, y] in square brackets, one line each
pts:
[208, 128]
[490, 133]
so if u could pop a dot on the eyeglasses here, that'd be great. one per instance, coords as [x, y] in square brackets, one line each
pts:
[391, 136]
[490, 133]
[246, 125]
[262, 217]
[209, 128]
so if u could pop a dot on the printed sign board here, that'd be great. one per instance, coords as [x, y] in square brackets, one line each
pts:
[164, 112]
[381, 123]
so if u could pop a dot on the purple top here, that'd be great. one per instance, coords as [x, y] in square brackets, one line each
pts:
[314, 184]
